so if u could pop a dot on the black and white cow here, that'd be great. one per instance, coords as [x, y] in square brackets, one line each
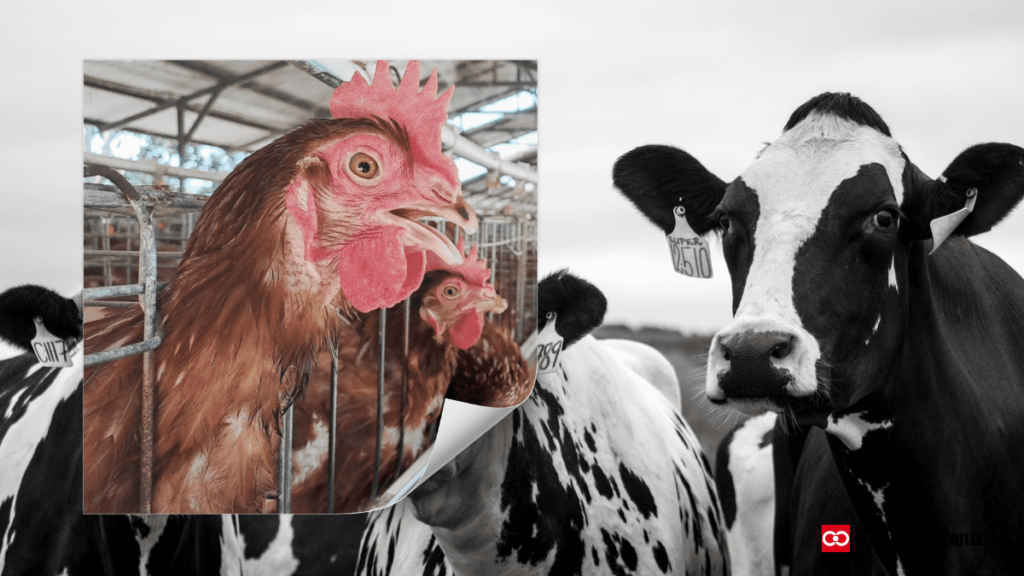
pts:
[810, 496]
[40, 436]
[597, 473]
[744, 476]
[913, 363]
[42, 529]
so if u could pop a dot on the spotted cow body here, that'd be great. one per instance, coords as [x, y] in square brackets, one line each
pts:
[745, 479]
[40, 435]
[596, 473]
[42, 529]
[861, 308]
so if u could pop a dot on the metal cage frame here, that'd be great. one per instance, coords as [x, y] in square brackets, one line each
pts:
[497, 237]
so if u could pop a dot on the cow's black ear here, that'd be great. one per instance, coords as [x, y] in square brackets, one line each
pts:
[580, 306]
[658, 178]
[995, 171]
[19, 307]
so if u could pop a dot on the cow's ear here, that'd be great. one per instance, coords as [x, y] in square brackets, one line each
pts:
[578, 304]
[994, 171]
[658, 178]
[19, 306]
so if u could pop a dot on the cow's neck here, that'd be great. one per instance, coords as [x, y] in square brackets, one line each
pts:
[860, 434]
[944, 415]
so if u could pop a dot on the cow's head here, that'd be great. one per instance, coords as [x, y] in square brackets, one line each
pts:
[20, 306]
[815, 234]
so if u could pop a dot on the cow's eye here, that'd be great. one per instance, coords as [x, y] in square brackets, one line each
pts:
[723, 222]
[884, 219]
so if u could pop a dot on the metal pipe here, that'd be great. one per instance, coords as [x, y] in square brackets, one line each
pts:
[520, 291]
[284, 492]
[184, 99]
[107, 271]
[153, 167]
[147, 272]
[332, 437]
[451, 141]
[318, 71]
[122, 351]
[106, 200]
[120, 253]
[405, 391]
[280, 468]
[202, 116]
[163, 237]
[380, 404]
[114, 291]
[459, 145]
[111, 303]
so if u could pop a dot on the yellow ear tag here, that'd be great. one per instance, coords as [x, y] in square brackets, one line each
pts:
[549, 347]
[690, 253]
[50, 350]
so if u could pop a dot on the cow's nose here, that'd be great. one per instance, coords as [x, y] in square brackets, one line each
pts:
[751, 363]
[756, 346]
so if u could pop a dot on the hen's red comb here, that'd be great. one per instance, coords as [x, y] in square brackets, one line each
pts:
[474, 270]
[416, 110]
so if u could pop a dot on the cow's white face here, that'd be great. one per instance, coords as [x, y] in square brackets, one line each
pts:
[809, 233]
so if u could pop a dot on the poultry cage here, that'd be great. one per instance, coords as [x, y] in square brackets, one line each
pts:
[135, 237]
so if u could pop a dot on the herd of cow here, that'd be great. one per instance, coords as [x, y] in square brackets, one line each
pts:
[878, 347]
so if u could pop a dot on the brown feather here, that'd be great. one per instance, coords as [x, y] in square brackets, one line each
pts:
[242, 322]
[492, 372]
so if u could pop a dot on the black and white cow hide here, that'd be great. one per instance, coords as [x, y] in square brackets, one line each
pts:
[42, 528]
[809, 495]
[744, 477]
[40, 436]
[852, 315]
[597, 473]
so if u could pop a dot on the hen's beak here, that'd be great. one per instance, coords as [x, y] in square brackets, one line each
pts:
[488, 303]
[429, 238]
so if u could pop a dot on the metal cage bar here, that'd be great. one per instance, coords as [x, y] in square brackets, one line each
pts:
[151, 339]
[332, 435]
[380, 403]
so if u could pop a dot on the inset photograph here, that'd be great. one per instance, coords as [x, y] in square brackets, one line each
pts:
[289, 266]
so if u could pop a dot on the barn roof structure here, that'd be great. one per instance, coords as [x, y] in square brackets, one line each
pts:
[240, 106]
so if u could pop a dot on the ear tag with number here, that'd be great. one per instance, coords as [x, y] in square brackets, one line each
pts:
[943, 227]
[549, 347]
[690, 253]
[50, 350]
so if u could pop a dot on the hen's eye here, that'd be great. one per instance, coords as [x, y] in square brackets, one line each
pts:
[363, 165]
[450, 291]
[884, 219]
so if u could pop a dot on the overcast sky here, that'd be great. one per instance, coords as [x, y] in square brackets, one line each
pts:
[717, 79]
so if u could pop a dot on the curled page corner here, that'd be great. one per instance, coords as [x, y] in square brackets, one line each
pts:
[460, 425]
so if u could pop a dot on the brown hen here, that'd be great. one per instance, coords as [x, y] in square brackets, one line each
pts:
[321, 220]
[446, 315]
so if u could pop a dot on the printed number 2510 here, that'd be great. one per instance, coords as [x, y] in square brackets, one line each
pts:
[691, 260]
